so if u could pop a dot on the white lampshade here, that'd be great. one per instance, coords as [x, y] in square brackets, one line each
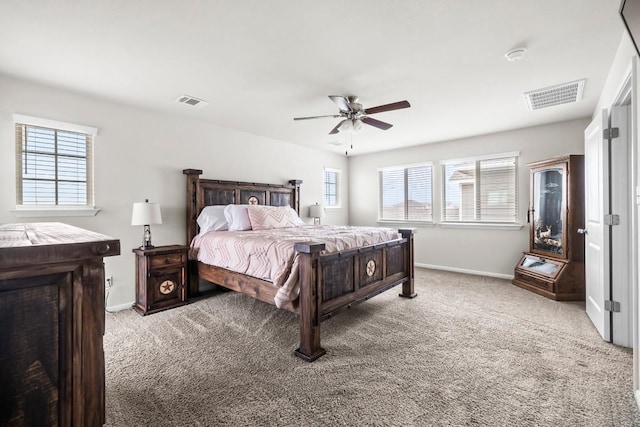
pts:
[146, 213]
[316, 211]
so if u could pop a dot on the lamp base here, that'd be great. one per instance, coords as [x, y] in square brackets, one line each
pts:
[146, 238]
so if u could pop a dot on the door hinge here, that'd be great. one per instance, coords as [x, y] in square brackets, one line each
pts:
[610, 133]
[612, 219]
[613, 306]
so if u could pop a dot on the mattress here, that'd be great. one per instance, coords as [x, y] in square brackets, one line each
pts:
[270, 255]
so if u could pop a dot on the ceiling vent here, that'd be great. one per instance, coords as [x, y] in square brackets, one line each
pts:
[190, 100]
[565, 93]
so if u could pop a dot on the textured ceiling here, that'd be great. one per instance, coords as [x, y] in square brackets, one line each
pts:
[260, 63]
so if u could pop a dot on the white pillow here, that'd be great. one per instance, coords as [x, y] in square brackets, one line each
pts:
[237, 217]
[212, 218]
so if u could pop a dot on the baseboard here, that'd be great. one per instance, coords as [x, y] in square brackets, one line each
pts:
[465, 271]
[128, 305]
[120, 307]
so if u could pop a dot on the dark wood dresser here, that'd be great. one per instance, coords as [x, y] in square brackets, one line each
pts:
[52, 323]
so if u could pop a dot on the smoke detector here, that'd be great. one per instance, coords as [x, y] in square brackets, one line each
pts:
[515, 54]
[191, 100]
[565, 93]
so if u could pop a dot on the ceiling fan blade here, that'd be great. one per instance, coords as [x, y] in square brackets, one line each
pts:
[317, 117]
[341, 102]
[376, 123]
[388, 107]
[337, 128]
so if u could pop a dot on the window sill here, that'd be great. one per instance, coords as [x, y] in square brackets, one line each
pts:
[481, 225]
[406, 223]
[47, 212]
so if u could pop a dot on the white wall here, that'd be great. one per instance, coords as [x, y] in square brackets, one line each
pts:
[617, 73]
[486, 251]
[140, 154]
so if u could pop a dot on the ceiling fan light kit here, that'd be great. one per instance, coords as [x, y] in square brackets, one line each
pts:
[350, 125]
[353, 115]
[345, 126]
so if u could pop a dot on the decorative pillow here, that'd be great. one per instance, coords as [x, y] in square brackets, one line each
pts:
[268, 217]
[212, 218]
[237, 217]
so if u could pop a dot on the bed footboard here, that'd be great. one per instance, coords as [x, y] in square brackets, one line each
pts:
[330, 283]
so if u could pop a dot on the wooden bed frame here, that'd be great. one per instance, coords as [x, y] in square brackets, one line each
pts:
[328, 282]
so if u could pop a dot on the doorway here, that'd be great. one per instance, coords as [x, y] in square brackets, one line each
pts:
[627, 96]
[610, 247]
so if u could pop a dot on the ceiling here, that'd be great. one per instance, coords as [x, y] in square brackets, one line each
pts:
[260, 63]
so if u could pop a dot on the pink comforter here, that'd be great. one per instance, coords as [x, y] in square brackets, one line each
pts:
[269, 254]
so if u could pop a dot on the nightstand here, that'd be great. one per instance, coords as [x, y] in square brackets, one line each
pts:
[161, 276]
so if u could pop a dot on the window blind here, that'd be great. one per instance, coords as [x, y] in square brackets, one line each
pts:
[53, 167]
[480, 190]
[405, 194]
[330, 187]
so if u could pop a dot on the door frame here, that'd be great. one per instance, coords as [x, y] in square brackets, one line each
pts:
[620, 243]
[627, 95]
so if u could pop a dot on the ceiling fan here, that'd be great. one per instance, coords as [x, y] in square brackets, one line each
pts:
[353, 115]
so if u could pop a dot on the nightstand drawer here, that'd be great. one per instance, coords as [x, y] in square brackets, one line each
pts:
[166, 260]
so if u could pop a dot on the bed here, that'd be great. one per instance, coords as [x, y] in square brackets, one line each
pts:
[328, 282]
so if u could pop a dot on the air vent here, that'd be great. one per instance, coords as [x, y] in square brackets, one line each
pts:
[555, 95]
[190, 100]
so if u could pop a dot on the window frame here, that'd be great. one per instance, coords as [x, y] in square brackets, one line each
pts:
[54, 210]
[467, 223]
[406, 219]
[338, 175]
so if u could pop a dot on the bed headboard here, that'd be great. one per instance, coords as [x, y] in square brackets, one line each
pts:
[207, 192]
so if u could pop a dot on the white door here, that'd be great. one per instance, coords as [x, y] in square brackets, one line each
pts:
[596, 157]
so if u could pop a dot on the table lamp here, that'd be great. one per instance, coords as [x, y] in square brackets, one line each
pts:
[145, 214]
[316, 212]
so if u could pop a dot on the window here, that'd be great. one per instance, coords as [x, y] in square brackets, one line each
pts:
[480, 189]
[331, 188]
[54, 164]
[405, 193]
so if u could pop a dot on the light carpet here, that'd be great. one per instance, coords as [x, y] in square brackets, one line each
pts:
[468, 350]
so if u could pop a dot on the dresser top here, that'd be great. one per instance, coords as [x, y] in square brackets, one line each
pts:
[51, 242]
[45, 233]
